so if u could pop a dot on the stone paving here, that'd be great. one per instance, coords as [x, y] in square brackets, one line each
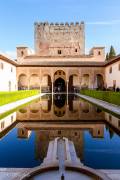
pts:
[113, 174]
[16, 173]
[12, 173]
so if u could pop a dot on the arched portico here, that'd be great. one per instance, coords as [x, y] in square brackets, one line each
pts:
[99, 81]
[46, 83]
[59, 81]
[22, 82]
[85, 81]
[34, 82]
[53, 79]
[73, 84]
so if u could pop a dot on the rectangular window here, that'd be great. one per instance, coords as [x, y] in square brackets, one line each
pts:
[2, 125]
[118, 67]
[110, 70]
[11, 69]
[1, 66]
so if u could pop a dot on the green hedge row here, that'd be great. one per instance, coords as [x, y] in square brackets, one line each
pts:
[8, 97]
[111, 97]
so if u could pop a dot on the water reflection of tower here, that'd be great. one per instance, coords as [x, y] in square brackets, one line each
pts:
[41, 144]
[44, 136]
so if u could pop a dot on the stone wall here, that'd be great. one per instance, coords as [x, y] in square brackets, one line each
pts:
[7, 76]
[112, 75]
[59, 39]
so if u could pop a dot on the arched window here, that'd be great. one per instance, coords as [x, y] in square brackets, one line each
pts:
[22, 53]
[76, 50]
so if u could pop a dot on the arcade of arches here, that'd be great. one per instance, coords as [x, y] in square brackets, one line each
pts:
[60, 80]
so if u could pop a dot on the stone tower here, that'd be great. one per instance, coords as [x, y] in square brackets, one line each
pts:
[59, 39]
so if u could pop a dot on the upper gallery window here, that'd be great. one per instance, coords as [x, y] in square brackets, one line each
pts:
[59, 52]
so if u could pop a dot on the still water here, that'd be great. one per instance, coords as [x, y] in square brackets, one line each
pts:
[25, 134]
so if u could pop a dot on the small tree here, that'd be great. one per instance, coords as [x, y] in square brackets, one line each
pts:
[112, 52]
[107, 57]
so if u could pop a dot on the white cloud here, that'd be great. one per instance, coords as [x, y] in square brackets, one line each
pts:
[112, 22]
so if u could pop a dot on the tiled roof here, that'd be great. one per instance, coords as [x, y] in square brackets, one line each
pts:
[62, 63]
[41, 62]
[4, 58]
[113, 60]
[60, 56]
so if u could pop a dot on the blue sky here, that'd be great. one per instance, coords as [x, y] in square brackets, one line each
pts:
[17, 17]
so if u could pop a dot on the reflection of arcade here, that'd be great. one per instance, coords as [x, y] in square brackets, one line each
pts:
[59, 104]
[47, 109]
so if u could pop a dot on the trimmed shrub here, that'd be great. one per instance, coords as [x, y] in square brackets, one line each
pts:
[8, 97]
[111, 97]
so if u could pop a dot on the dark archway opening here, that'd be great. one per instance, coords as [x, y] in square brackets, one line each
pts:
[59, 85]
[100, 82]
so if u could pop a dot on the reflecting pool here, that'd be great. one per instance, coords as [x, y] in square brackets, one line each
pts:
[25, 134]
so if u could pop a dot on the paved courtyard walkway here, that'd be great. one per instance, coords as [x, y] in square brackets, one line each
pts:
[108, 106]
[13, 105]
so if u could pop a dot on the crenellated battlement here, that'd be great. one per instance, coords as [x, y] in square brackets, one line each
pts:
[66, 24]
[59, 38]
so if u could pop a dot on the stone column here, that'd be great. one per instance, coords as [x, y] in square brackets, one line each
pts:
[80, 78]
[67, 91]
[28, 78]
[40, 85]
[28, 83]
[92, 81]
[52, 91]
[40, 81]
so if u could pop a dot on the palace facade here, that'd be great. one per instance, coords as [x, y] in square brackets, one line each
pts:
[59, 62]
